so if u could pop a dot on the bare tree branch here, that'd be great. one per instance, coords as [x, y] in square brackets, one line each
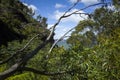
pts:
[78, 11]
[28, 56]
[75, 12]
[22, 61]
[10, 71]
[60, 39]
[18, 52]
[63, 16]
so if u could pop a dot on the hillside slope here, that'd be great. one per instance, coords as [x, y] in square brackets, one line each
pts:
[17, 23]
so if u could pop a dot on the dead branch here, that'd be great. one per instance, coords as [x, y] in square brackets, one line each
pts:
[60, 39]
[18, 52]
[22, 61]
[17, 66]
[63, 16]
[78, 11]
[10, 71]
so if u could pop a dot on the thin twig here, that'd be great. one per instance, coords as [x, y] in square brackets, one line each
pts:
[15, 67]
[60, 39]
[18, 52]
[78, 11]
[63, 16]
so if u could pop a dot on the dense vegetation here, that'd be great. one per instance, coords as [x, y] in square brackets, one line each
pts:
[94, 52]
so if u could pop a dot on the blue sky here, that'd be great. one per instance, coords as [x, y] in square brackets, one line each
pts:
[53, 9]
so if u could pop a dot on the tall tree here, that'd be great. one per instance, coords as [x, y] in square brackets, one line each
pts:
[94, 54]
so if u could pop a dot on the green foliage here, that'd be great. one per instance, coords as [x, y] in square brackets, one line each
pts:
[102, 58]
[16, 20]
[94, 53]
[17, 28]
[24, 76]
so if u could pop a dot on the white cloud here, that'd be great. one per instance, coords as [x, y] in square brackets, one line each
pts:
[33, 7]
[86, 2]
[59, 5]
[66, 23]
[75, 18]
[89, 2]
[111, 7]
[61, 30]
[49, 26]
[73, 1]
